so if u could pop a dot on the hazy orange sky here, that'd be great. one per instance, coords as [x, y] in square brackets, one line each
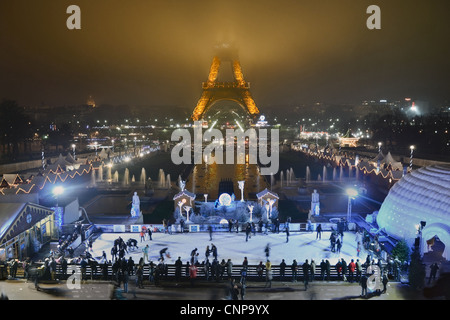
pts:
[158, 52]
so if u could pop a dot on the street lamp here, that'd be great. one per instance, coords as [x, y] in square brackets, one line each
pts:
[57, 191]
[411, 157]
[95, 146]
[379, 147]
[352, 194]
[73, 148]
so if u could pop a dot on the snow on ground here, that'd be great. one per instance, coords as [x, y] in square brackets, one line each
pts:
[301, 246]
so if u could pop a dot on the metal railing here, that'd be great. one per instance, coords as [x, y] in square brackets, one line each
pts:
[169, 273]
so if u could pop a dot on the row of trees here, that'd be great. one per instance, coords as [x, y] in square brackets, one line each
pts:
[416, 271]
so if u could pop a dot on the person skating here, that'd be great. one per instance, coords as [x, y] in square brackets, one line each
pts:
[114, 253]
[338, 245]
[182, 225]
[332, 242]
[149, 232]
[287, 233]
[248, 230]
[163, 252]
[267, 251]
[319, 232]
[210, 230]
[145, 251]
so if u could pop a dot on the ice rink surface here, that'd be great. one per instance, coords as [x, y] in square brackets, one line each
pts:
[301, 246]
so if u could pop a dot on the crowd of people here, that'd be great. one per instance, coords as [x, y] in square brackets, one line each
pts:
[120, 268]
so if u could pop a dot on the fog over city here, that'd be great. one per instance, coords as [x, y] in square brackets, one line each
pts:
[153, 53]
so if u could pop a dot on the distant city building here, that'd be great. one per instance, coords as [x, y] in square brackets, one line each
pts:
[90, 102]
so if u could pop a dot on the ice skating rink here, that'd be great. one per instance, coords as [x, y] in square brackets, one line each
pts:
[301, 246]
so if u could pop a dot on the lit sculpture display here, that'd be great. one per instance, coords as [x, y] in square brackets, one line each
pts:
[182, 185]
[135, 206]
[187, 209]
[315, 203]
[250, 208]
[241, 187]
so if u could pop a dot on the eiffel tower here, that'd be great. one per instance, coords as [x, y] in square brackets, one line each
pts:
[214, 91]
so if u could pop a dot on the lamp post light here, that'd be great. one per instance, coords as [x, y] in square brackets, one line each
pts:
[379, 147]
[43, 157]
[352, 194]
[411, 157]
[112, 144]
[57, 191]
[73, 148]
[95, 146]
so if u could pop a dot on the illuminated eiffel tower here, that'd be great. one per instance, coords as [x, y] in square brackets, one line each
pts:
[214, 91]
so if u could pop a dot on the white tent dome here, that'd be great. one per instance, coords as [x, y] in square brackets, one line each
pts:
[422, 195]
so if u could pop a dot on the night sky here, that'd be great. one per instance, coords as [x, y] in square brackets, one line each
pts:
[155, 53]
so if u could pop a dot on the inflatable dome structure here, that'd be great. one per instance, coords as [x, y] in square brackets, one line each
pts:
[422, 195]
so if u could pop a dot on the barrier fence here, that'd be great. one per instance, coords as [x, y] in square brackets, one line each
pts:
[169, 273]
